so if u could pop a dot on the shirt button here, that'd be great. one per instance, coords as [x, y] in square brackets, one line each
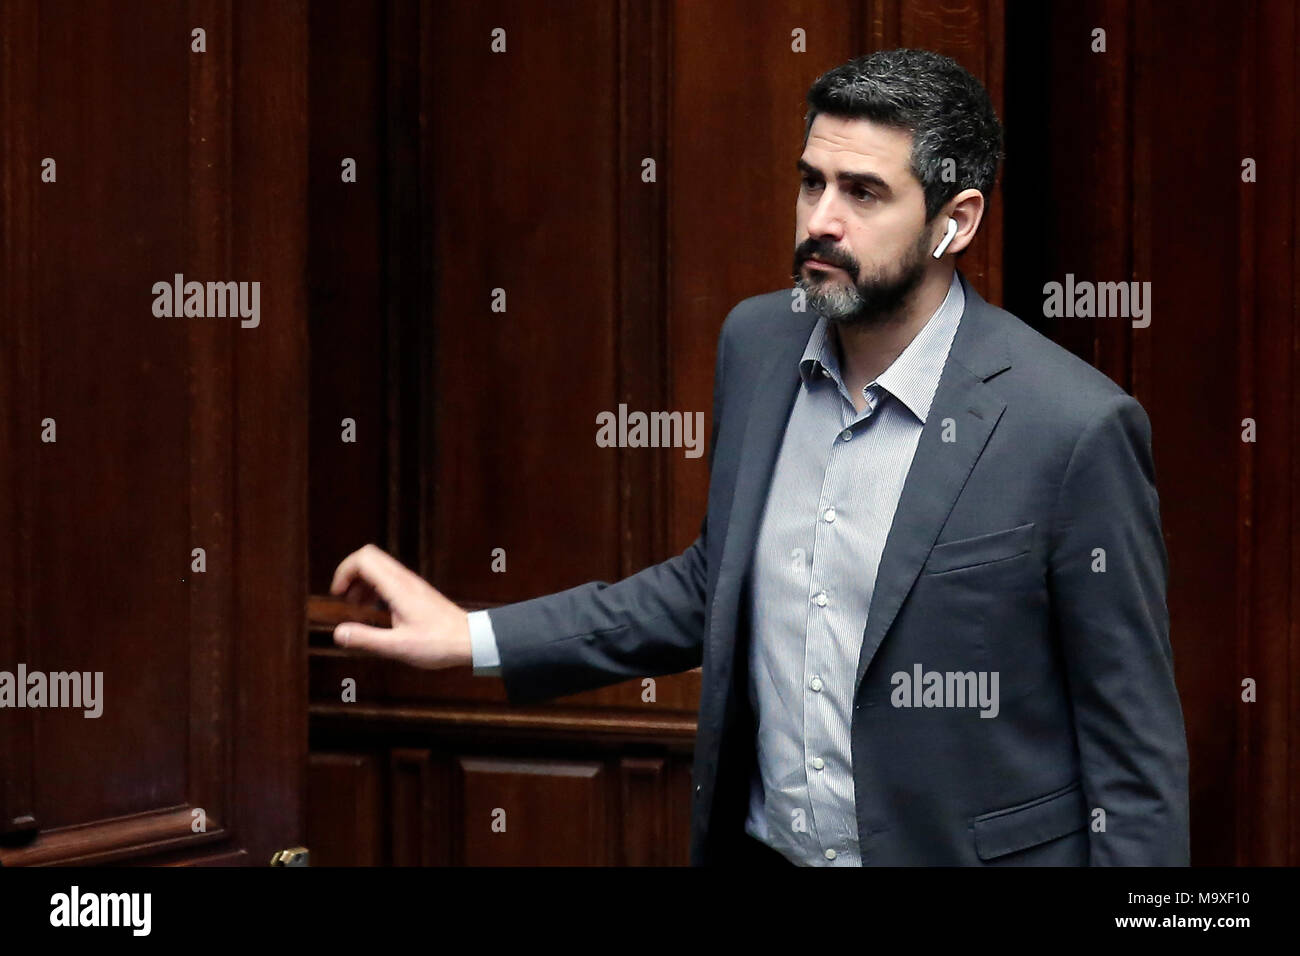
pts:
[828, 515]
[820, 599]
[816, 683]
[846, 434]
[818, 763]
[825, 373]
[829, 854]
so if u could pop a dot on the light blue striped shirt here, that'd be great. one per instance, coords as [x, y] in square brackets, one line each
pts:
[834, 490]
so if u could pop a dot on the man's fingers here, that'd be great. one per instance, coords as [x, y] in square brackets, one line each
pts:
[349, 570]
[373, 566]
[359, 592]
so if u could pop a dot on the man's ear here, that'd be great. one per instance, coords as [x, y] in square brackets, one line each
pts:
[967, 208]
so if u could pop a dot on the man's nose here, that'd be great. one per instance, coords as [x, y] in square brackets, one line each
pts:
[825, 219]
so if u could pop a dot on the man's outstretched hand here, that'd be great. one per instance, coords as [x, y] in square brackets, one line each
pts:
[428, 630]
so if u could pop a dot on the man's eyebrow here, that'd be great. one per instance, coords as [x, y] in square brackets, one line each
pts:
[860, 179]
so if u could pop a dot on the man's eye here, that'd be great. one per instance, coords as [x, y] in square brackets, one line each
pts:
[810, 183]
[861, 192]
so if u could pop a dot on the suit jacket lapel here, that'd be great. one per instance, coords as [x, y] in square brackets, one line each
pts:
[939, 468]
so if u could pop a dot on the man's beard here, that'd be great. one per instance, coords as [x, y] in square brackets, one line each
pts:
[875, 299]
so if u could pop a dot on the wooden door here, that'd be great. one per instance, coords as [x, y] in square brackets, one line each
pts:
[153, 466]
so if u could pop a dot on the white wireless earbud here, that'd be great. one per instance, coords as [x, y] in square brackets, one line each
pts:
[952, 231]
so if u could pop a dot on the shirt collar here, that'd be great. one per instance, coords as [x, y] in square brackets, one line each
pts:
[913, 377]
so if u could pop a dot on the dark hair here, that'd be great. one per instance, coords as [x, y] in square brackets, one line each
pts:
[947, 111]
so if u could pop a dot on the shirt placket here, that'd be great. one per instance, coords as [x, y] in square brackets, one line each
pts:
[825, 592]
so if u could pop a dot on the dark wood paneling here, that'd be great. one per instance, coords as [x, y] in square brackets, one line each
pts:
[270, 238]
[526, 179]
[113, 377]
[211, 362]
[644, 811]
[419, 802]
[348, 284]
[642, 261]
[345, 812]
[19, 422]
[526, 795]
[1193, 340]
[1267, 323]
[173, 433]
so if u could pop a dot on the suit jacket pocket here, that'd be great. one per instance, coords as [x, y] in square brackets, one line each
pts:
[1028, 824]
[982, 549]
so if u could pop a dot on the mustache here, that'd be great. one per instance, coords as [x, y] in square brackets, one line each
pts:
[826, 253]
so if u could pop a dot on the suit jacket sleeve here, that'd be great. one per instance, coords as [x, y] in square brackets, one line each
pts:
[597, 634]
[1113, 628]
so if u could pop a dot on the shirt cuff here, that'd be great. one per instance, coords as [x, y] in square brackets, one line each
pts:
[483, 645]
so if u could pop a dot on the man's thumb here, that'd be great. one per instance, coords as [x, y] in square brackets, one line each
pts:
[363, 637]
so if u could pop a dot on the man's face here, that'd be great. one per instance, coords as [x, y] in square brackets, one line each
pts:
[862, 213]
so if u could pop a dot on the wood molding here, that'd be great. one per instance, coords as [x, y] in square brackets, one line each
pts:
[1267, 784]
[269, 238]
[109, 841]
[19, 420]
[211, 417]
[644, 370]
[593, 724]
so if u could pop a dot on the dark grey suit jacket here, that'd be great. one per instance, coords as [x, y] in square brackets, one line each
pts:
[1032, 469]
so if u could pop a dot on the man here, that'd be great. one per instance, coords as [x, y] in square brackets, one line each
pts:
[928, 595]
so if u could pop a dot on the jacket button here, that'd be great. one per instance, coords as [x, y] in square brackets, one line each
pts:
[697, 789]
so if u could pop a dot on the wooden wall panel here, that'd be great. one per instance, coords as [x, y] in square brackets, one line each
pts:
[18, 450]
[643, 361]
[347, 283]
[526, 182]
[270, 160]
[1179, 152]
[644, 811]
[1267, 324]
[212, 417]
[527, 796]
[344, 810]
[419, 808]
[434, 805]
[174, 433]
[109, 228]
